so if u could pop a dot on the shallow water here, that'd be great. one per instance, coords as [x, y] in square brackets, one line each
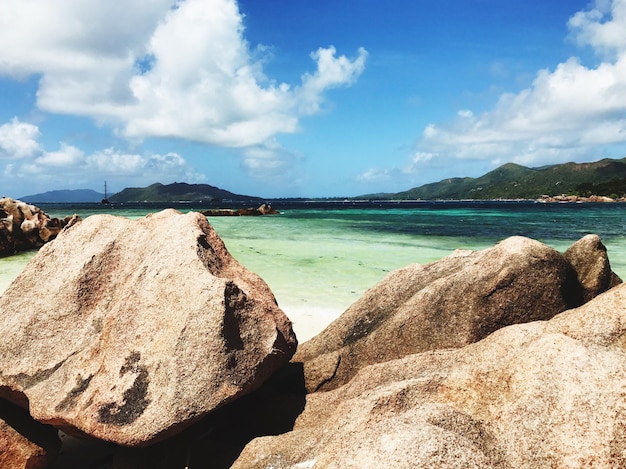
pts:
[11, 266]
[320, 258]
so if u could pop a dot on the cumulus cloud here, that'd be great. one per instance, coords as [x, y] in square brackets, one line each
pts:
[19, 139]
[602, 26]
[331, 72]
[67, 156]
[156, 70]
[54, 36]
[141, 167]
[31, 163]
[562, 116]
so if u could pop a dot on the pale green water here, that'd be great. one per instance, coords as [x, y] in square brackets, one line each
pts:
[11, 266]
[318, 261]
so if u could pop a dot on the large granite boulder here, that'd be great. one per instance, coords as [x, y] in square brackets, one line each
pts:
[24, 442]
[590, 260]
[24, 226]
[447, 304]
[131, 330]
[538, 395]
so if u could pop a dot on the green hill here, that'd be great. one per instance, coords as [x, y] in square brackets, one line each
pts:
[178, 192]
[512, 181]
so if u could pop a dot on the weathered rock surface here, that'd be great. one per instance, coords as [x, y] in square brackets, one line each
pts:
[24, 226]
[538, 395]
[589, 259]
[129, 331]
[451, 303]
[25, 443]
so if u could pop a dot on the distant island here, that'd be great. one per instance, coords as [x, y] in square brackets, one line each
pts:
[602, 179]
[179, 192]
[606, 177]
[176, 192]
[64, 197]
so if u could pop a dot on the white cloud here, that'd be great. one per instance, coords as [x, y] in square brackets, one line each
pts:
[19, 139]
[109, 162]
[140, 167]
[331, 73]
[422, 156]
[62, 36]
[66, 157]
[374, 175]
[84, 50]
[153, 70]
[566, 114]
[70, 166]
[601, 27]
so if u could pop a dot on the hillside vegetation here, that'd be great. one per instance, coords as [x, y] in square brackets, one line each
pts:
[178, 192]
[606, 177]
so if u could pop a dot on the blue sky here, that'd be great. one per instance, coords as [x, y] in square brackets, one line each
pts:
[303, 98]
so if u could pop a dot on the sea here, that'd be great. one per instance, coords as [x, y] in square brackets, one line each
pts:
[319, 257]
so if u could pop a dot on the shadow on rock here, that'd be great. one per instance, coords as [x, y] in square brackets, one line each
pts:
[214, 442]
[24, 442]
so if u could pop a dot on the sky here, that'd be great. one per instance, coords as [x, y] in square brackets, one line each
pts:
[304, 98]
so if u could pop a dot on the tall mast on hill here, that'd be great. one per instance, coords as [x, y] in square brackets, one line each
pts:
[106, 198]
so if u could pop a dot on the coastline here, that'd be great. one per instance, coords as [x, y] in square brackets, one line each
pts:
[542, 199]
[235, 208]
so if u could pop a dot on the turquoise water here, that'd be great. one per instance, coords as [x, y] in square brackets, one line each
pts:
[319, 258]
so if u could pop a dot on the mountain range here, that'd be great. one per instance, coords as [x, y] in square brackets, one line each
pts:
[511, 181]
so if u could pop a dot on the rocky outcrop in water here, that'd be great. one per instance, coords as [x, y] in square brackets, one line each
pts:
[563, 198]
[138, 329]
[453, 302]
[24, 226]
[263, 209]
